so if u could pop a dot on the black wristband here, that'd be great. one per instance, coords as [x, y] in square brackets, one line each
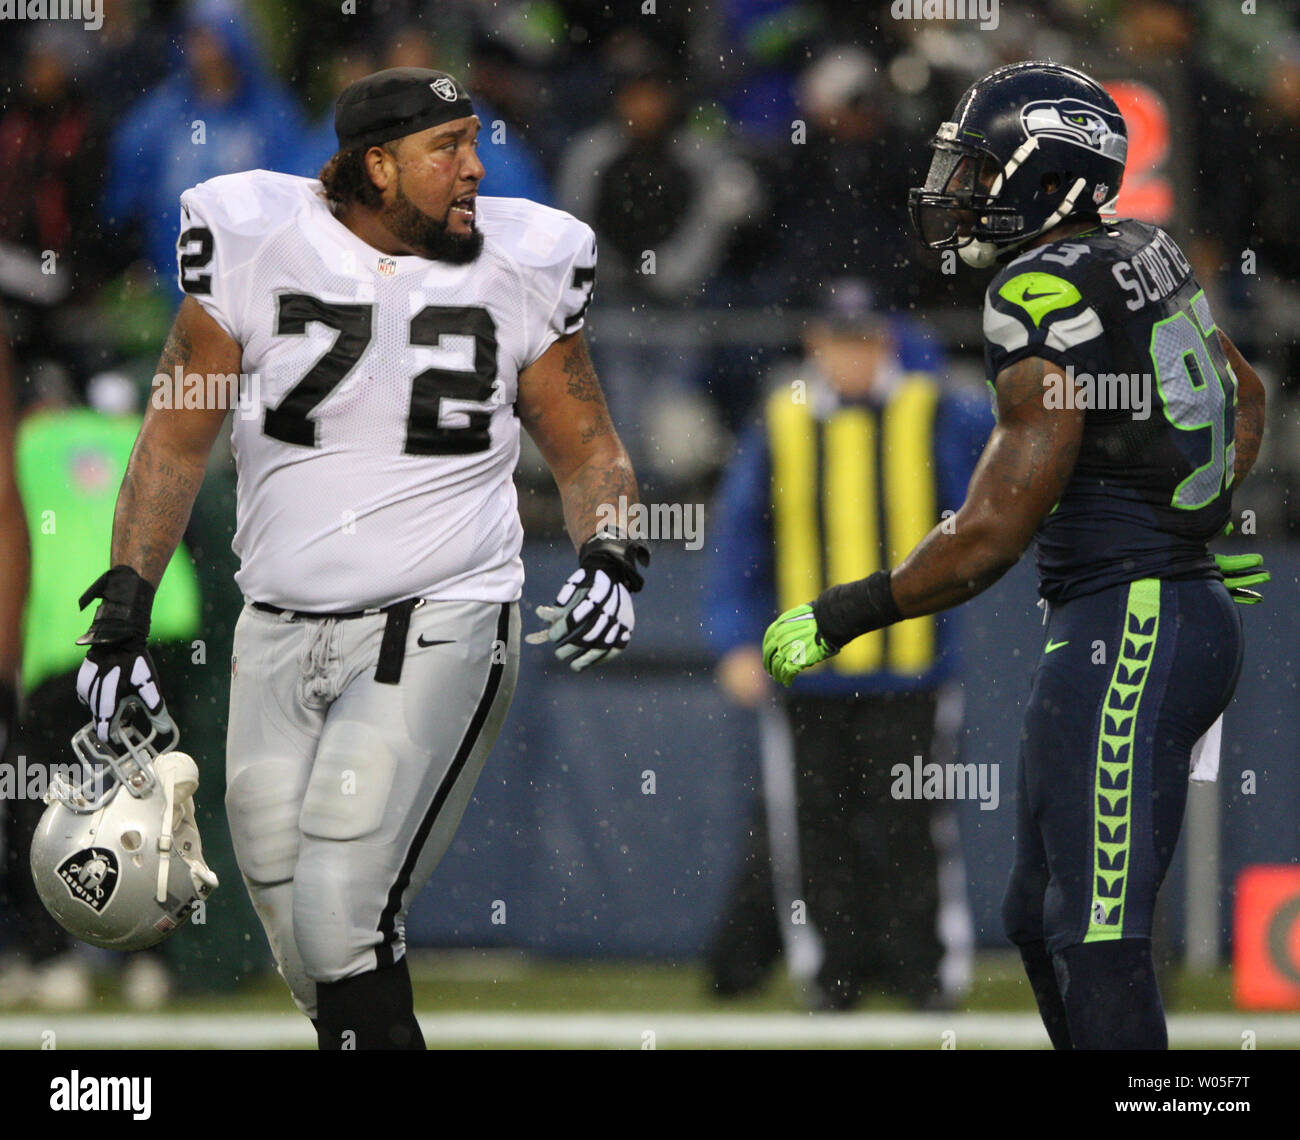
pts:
[617, 556]
[125, 611]
[849, 611]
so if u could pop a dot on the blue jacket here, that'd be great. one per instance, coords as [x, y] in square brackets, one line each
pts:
[153, 152]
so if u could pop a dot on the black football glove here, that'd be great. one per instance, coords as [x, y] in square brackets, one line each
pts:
[592, 618]
[117, 665]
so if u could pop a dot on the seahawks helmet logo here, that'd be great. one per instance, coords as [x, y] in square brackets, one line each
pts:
[90, 876]
[444, 88]
[1077, 122]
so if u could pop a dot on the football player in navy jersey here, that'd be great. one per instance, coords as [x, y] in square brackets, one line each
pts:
[1125, 419]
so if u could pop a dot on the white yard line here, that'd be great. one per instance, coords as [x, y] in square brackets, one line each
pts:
[621, 1030]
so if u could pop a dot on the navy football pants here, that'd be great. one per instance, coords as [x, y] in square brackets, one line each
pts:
[1131, 676]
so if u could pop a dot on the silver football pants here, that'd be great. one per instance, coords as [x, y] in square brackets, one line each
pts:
[343, 793]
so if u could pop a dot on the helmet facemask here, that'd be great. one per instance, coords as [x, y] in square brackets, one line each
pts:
[959, 206]
[135, 738]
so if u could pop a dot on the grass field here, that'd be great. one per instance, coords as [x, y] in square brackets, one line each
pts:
[496, 1000]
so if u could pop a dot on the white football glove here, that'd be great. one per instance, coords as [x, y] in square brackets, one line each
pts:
[108, 677]
[591, 620]
[592, 617]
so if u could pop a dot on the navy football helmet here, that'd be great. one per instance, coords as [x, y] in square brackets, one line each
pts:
[1029, 145]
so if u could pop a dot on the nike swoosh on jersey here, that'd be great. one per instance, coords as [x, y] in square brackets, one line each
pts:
[420, 641]
[1051, 645]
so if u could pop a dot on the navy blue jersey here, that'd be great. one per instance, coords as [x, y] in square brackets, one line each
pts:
[1119, 311]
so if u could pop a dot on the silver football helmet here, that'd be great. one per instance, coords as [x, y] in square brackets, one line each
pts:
[117, 859]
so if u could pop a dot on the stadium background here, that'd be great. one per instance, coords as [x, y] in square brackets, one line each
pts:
[609, 894]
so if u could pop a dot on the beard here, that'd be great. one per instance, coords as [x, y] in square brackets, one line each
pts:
[426, 234]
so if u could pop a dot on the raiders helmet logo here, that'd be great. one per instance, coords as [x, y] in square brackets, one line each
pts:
[1077, 122]
[444, 88]
[90, 876]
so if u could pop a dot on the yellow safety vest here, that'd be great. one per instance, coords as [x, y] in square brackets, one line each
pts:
[851, 495]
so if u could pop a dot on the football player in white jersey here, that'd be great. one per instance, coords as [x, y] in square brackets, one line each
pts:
[401, 329]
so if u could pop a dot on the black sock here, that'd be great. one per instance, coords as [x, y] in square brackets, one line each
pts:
[1111, 997]
[1042, 979]
[371, 1011]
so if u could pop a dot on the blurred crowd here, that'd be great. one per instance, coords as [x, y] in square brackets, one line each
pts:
[736, 158]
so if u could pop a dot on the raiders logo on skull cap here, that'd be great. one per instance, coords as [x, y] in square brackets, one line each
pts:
[397, 102]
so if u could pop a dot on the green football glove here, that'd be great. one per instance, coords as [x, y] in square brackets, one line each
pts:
[1240, 573]
[792, 644]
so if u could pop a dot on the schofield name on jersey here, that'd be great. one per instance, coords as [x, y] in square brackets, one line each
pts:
[1154, 272]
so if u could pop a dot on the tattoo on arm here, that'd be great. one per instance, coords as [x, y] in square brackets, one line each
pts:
[607, 475]
[581, 382]
[164, 472]
[153, 508]
[600, 481]
[582, 385]
[564, 410]
[177, 350]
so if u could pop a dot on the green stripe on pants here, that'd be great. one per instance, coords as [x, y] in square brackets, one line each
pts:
[1113, 786]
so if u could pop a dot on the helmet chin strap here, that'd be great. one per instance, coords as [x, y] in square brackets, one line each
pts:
[979, 254]
[1067, 204]
[179, 777]
[1022, 152]
[983, 254]
[165, 836]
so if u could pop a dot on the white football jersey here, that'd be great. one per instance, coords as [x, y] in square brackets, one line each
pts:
[377, 462]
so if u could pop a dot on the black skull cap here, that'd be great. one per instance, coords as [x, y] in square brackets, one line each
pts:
[395, 102]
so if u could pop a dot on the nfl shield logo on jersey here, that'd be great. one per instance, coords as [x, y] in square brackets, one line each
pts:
[444, 88]
[387, 266]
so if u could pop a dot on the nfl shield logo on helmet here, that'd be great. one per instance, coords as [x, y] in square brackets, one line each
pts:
[444, 88]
